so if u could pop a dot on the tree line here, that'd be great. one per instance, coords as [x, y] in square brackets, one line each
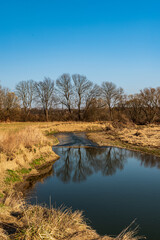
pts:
[74, 97]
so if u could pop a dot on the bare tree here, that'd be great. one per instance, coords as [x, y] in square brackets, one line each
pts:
[44, 94]
[10, 103]
[10, 100]
[150, 101]
[111, 95]
[82, 87]
[65, 90]
[93, 93]
[134, 108]
[25, 92]
[91, 101]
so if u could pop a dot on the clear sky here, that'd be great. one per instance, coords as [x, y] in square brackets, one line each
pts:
[106, 40]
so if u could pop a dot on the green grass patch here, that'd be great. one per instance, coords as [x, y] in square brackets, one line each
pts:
[37, 162]
[1, 195]
[49, 133]
[12, 177]
[1, 205]
[24, 171]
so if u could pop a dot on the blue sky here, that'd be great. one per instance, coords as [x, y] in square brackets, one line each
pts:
[106, 40]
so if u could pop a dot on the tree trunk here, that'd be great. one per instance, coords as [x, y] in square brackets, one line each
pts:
[110, 114]
[79, 113]
[46, 114]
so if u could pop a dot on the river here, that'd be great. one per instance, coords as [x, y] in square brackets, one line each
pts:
[112, 186]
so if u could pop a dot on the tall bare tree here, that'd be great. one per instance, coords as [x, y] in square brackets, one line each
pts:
[111, 95]
[25, 92]
[44, 93]
[82, 87]
[65, 90]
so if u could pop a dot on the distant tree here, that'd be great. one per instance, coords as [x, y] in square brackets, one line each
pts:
[82, 87]
[10, 104]
[111, 95]
[92, 104]
[144, 107]
[25, 92]
[65, 90]
[10, 100]
[44, 93]
[150, 101]
[134, 108]
[93, 93]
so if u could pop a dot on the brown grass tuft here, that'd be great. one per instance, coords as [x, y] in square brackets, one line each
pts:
[44, 223]
[129, 234]
[37, 222]
[11, 141]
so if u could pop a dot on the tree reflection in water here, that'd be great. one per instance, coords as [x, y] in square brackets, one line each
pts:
[76, 164]
[107, 160]
[65, 167]
[147, 160]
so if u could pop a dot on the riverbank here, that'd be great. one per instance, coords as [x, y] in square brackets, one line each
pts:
[145, 139]
[26, 154]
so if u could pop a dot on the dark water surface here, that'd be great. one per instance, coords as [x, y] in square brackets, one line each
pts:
[112, 186]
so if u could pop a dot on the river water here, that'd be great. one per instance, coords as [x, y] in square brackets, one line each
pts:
[112, 186]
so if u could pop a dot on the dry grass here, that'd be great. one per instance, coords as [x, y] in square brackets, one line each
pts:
[43, 223]
[129, 234]
[37, 222]
[21, 148]
[69, 126]
[28, 137]
[146, 136]
[3, 235]
[139, 138]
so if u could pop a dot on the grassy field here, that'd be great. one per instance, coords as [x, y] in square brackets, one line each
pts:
[24, 147]
[54, 126]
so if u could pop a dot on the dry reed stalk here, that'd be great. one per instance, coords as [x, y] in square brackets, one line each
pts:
[129, 233]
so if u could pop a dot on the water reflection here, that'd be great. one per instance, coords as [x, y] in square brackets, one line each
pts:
[146, 159]
[76, 164]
